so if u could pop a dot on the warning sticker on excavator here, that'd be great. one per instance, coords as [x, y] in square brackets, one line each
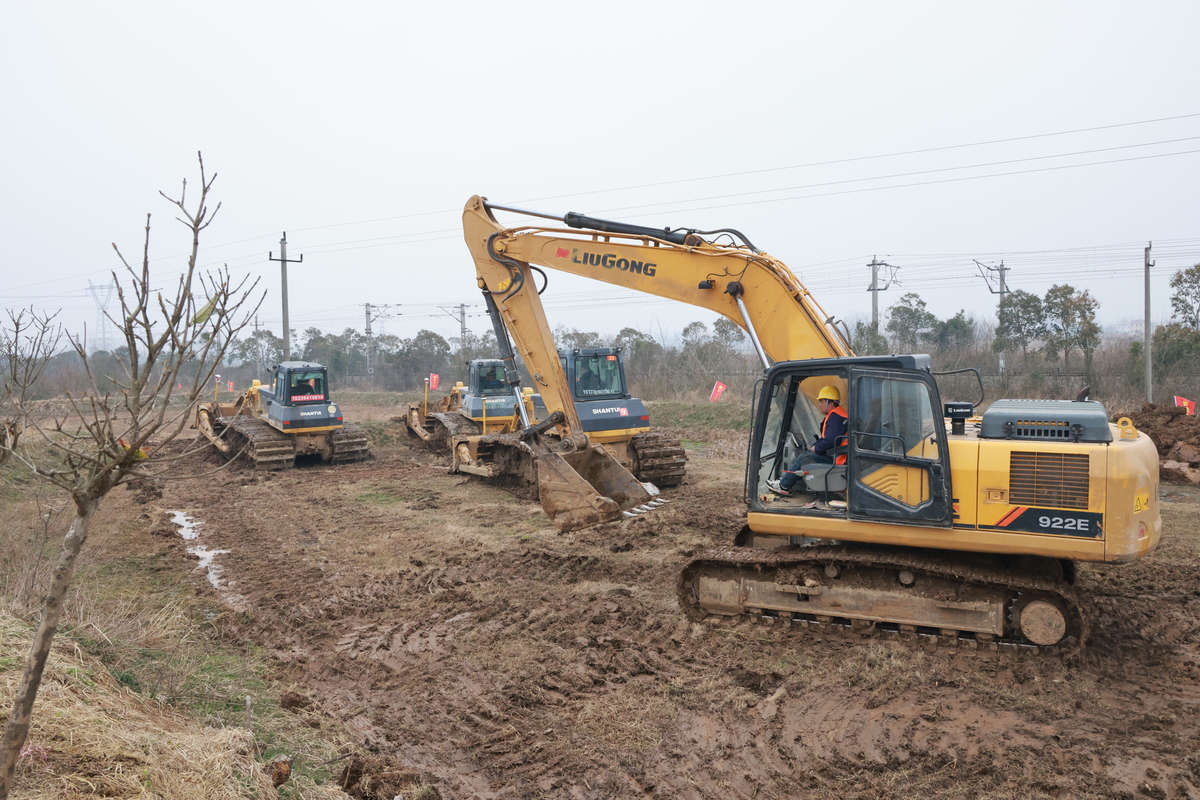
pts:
[1141, 501]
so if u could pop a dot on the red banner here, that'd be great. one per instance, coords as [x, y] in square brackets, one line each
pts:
[1190, 405]
[230, 389]
[718, 390]
[434, 378]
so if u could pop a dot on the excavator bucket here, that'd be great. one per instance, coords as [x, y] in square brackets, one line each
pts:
[586, 488]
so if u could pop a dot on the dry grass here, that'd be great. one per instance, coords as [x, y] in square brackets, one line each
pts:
[624, 721]
[91, 737]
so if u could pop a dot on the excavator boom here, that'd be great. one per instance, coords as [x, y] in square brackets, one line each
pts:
[787, 322]
[966, 534]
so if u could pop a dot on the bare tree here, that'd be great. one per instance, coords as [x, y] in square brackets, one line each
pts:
[104, 439]
[27, 343]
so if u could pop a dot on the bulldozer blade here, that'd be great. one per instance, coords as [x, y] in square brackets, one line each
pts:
[581, 489]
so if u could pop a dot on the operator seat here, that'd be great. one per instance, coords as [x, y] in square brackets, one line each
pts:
[825, 479]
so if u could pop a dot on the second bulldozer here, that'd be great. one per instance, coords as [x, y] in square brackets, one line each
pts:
[608, 413]
[272, 426]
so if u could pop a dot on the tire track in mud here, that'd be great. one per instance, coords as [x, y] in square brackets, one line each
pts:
[560, 667]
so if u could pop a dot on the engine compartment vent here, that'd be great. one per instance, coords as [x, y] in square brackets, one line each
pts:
[1055, 480]
[1047, 421]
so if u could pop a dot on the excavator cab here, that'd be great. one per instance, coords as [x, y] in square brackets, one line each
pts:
[896, 466]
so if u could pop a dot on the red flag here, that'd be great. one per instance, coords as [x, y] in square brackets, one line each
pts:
[718, 390]
[230, 386]
[433, 380]
[1190, 405]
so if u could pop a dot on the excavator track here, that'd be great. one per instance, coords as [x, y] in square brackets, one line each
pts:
[658, 458]
[350, 444]
[933, 598]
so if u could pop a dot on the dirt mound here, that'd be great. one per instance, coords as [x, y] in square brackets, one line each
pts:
[1177, 437]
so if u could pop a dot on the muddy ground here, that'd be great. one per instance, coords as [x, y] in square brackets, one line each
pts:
[463, 640]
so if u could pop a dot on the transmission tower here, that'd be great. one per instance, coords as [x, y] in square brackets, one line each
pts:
[103, 324]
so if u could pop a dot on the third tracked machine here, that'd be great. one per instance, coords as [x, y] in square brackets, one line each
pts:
[608, 414]
[292, 418]
[960, 528]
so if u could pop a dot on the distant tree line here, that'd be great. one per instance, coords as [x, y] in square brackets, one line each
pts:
[1048, 346]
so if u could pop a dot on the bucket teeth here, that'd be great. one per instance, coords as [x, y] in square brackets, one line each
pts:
[629, 514]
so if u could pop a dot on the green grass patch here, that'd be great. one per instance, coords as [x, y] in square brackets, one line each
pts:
[679, 414]
[141, 617]
[387, 399]
[383, 434]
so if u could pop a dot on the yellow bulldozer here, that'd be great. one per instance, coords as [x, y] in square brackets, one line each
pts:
[934, 522]
[609, 414]
[293, 418]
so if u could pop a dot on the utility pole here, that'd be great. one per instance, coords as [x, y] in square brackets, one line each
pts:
[1003, 290]
[370, 343]
[283, 262]
[371, 350]
[461, 316]
[462, 328]
[257, 349]
[984, 269]
[1146, 333]
[874, 288]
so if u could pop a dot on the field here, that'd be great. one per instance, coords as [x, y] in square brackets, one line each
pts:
[440, 639]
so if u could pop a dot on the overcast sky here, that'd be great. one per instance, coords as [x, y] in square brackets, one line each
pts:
[1057, 138]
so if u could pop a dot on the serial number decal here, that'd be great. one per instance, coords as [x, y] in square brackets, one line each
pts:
[1023, 519]
[1141, 501]
[1065, 523]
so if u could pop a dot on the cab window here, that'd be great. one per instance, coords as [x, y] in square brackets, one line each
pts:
[598, 376]
[491, 380]
[307, 386]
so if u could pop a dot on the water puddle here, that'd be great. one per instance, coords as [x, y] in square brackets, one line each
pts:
[189, 531]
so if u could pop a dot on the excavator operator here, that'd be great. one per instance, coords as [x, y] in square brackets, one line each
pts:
[833, 434]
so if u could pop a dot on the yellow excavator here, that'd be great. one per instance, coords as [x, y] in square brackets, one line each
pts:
[941, 525]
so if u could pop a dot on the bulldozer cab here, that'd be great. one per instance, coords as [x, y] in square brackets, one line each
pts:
[594, 373]
[486, 378]
[298, 383]
[896, 466]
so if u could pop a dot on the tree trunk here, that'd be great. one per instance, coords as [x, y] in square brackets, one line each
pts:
[22, 710]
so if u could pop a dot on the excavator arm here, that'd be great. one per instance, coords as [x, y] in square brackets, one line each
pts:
[579, 483]
[755, 290]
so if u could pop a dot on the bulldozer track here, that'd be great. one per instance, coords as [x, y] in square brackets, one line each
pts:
[784, 565]
[437, 428]
[658, 458]
[350, 444]
[261, 444]
[268, 448]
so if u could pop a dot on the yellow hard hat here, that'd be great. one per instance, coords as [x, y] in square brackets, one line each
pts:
[829, 393]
